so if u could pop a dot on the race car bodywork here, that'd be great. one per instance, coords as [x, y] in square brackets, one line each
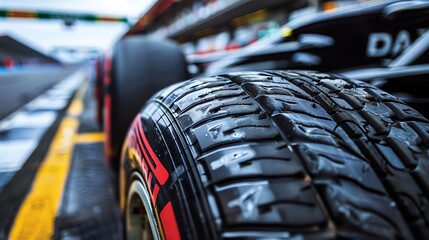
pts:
[368, 36]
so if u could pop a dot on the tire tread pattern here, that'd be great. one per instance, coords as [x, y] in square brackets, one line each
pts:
[305, 153]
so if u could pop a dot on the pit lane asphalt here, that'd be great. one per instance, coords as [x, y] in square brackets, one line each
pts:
[21, 86]
[87, 205]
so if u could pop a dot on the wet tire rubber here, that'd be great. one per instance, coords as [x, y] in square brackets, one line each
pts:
[140, 67]
[285, 154]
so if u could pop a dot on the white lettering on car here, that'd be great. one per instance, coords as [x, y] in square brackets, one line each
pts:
[378, 44]
[381, 44]
[403, 40]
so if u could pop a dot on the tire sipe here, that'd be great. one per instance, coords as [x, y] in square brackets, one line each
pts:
[281, 154]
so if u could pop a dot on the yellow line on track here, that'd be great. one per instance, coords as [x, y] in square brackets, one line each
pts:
[83, 138]
[75, 108]
[36, 216]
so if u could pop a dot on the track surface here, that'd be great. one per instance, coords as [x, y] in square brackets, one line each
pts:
[82, 186]
[18, 88]
[89, 209]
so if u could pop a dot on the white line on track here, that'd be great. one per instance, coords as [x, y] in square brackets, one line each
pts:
[38, 114]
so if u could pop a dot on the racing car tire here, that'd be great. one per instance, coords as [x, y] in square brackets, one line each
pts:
[281, 154]
[140, 67]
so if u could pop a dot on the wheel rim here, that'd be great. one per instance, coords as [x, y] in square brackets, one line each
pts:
[140, 220]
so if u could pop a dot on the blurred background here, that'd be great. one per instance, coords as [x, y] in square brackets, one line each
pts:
[71, 32]
[67, 31]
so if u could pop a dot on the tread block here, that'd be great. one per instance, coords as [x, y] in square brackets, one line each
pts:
[288, 104]
[404, 112]
[301, 127]
[207, 94]
[335, 85]
[421, 174]
[403, 152]
[382, 96]
[327, 164]
[353, 129]
[216, 109]
[219, 132]
[375, 122]
[379, 111]
[327, 103]
[251, 161]
[422, 129]
[352, 100]
[413, 201]
[372, 214]
[285, 203]
[171, 94]
[246, 77]
[359, 93]
[274, 88]
[343, 104]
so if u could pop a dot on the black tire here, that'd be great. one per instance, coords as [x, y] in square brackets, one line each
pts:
[282, 154]
[140, 67]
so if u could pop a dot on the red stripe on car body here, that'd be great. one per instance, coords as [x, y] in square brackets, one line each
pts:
[107, 126]
[107, 107]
